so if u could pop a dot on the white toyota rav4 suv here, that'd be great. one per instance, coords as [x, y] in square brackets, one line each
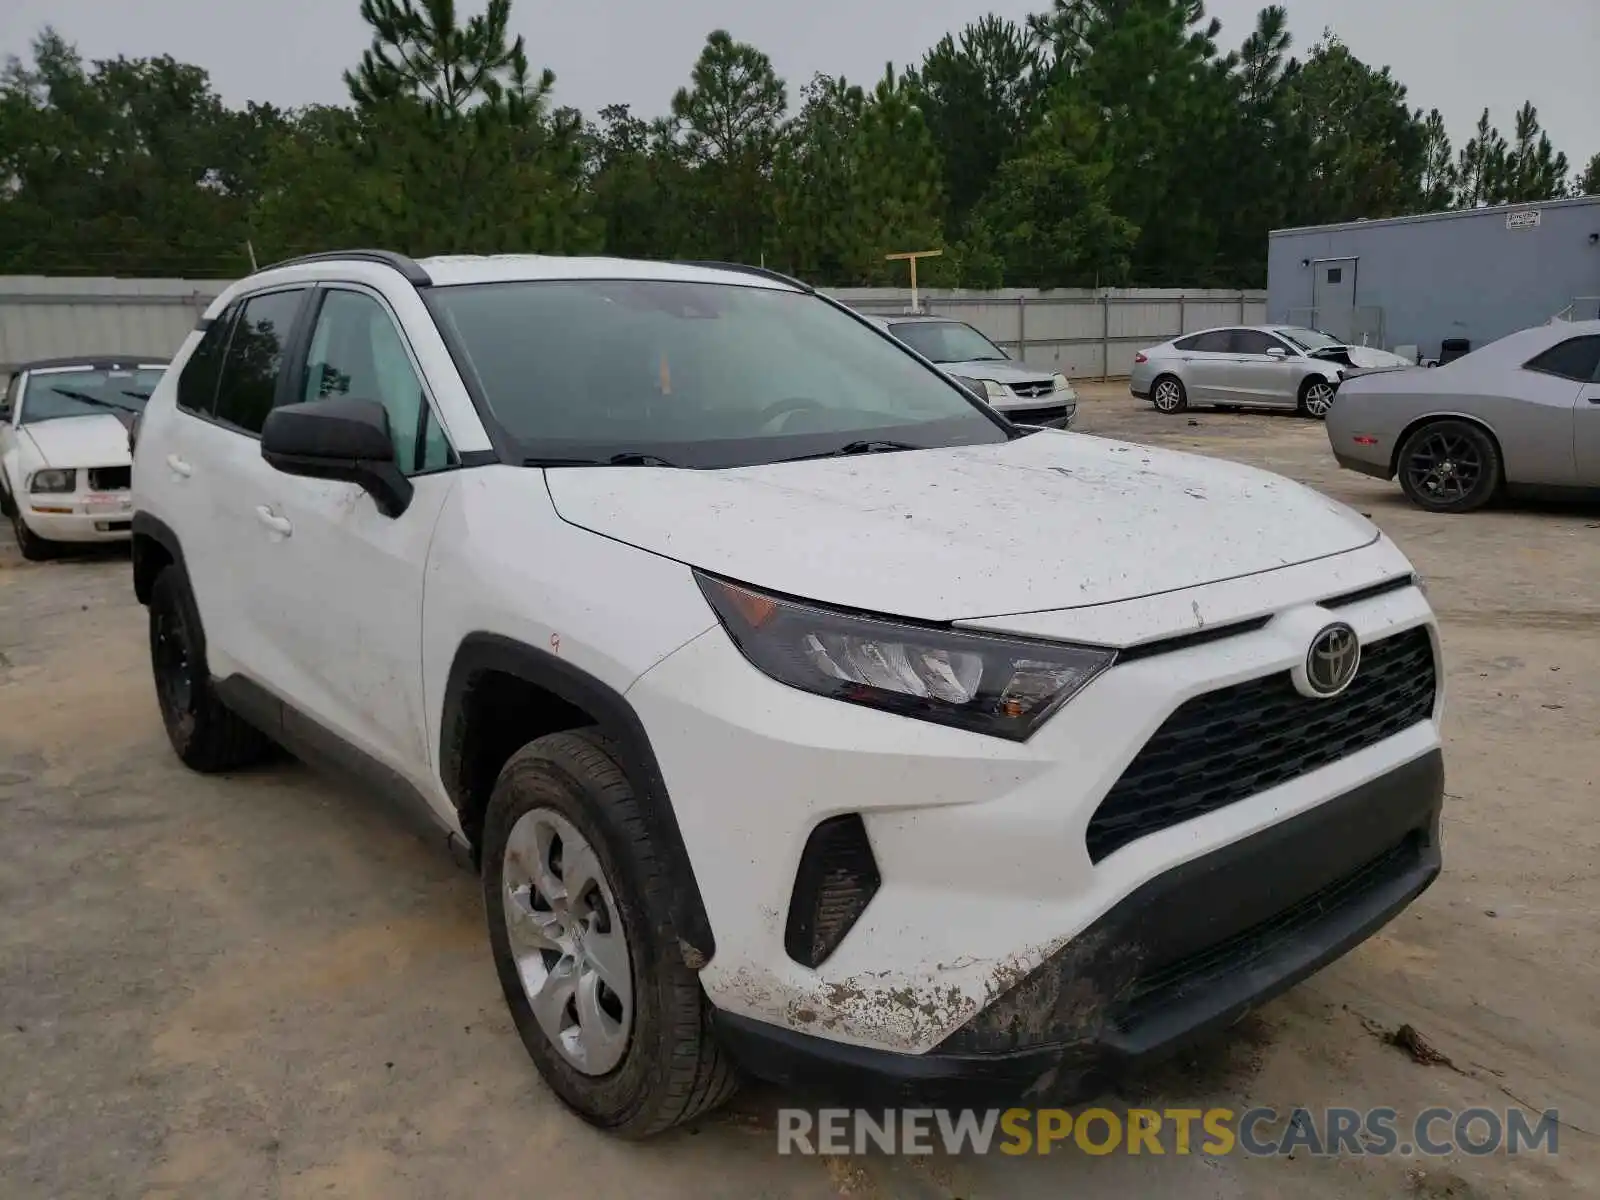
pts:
[801, 714]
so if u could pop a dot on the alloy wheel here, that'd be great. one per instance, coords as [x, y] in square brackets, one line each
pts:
[1446, 467]
[1319, 399]
[1168, 395]
[568, 941]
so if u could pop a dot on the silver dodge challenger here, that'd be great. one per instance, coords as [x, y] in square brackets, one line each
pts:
[1522, 414]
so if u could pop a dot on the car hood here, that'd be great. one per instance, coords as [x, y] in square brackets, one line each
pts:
[1049, 521]
[100, 440]
[1007, 371]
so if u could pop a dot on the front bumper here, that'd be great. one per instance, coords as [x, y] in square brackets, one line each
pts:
[981, 844]
[1191, 951]
[77, 517]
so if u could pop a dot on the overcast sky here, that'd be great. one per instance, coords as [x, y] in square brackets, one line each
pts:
[1454, 55]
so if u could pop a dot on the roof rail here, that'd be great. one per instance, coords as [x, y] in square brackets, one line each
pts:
[408, 267]
[747, 269]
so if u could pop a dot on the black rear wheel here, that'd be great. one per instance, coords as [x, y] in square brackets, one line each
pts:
[205, 733]
[1450, 466]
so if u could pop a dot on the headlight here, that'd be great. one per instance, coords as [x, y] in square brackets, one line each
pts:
[993, 390]
[52, 481]
[996, 685]
[1062, 383]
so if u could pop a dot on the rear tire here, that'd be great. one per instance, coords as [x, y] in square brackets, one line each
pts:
[570, 788]
[205, 733]
[1168, 394]
[1449, 466]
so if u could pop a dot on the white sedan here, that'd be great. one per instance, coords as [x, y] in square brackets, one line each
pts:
[64, 457]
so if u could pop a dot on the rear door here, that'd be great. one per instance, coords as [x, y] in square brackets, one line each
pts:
[216, 462]
[1207, 358]
[1257, 377]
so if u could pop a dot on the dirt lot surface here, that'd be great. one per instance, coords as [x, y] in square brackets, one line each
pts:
[263, 986]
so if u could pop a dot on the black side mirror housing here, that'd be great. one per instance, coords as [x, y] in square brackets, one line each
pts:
[341, 439]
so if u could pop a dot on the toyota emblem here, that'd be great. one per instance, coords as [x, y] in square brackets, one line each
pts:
[1332, 661]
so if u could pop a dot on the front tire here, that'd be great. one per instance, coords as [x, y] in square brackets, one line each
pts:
[1316, 397]
[580, 925]
[1449, 466]
[34, 548]
[1169, 395]
[205, 733]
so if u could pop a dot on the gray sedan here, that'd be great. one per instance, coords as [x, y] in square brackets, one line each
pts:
[1520, 413]
[1252, 366]
[1026, 394]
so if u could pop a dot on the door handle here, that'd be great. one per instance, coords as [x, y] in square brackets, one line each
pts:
[273, 521]
[179, 467]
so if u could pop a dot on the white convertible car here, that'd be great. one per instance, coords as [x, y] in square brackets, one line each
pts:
[64, 457]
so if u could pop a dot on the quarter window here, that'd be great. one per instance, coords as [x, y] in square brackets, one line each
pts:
[357, 351]
[197, 383]
[1576, 358]
[250, 370]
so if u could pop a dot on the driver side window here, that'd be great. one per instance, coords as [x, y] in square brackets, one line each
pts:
[357, 351]
[8, 404]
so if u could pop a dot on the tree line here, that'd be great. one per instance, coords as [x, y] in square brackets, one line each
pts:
[1102, 142]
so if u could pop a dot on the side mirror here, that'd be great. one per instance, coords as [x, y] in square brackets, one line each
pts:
[1277, 352]
[338, 439]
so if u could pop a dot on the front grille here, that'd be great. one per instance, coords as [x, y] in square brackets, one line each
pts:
[1231, 744]
[110, 479]
[1051, 414]
[1167, 985]
[1033, 389]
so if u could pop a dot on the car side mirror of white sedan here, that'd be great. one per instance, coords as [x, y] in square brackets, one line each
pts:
[1278, 352]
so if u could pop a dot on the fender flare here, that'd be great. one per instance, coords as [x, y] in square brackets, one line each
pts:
[156, 530]
[481, 652]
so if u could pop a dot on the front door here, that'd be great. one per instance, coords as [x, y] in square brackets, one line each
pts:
[345, 608]
[1333, 295]
[1258, 377]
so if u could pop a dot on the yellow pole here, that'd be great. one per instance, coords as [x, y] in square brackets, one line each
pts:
[911, 256]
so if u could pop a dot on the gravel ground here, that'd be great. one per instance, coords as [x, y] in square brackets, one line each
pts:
[263, 986]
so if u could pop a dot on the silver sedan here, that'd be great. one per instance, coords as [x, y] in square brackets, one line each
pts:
[1252, 366]
[1522, 413]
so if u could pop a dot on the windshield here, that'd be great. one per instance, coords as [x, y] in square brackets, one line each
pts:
[1310, 339]
[692, 374]
[947, 341]
[81, 393]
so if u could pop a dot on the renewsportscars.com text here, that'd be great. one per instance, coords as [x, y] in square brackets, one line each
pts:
[1210, 1131]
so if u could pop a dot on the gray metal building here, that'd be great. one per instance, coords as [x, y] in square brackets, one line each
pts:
[1477, 274]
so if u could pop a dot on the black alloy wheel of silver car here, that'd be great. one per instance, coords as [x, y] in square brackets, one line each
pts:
[1168, 395]
[1449, 466]
[1316, 397]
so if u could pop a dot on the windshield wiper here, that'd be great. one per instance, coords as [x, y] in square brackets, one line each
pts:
[96, 401]
[136, 395]
[861, 446]
[627, 458]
